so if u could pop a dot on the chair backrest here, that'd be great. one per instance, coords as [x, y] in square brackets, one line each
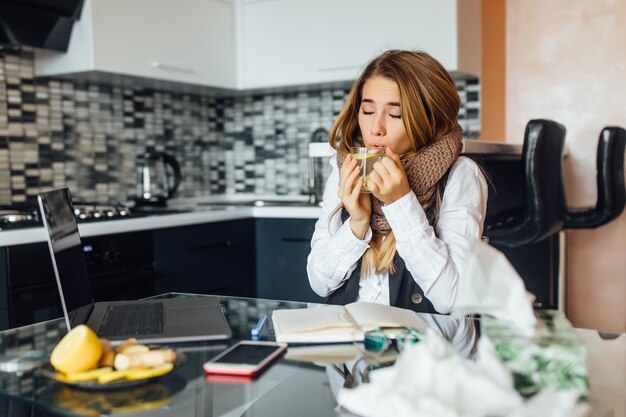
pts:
[610, 183]
[610, 176]
[544, 193]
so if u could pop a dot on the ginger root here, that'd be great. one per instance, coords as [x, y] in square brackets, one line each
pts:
[107, 358]
[134, 349]
[125, 344]
[148, 359]
[106, 345]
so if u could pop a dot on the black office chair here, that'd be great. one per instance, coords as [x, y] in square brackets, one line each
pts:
[610, 181]
[543, 209]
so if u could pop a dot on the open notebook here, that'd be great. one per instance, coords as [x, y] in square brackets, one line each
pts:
[336, 324]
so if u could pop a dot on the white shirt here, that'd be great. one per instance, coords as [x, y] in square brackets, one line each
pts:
[434, 258]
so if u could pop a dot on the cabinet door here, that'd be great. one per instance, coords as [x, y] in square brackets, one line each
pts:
[182, 40]
[287, 42]
[282, 249]
[189, 41]
[281, 42]
[213, 258]
[4, 284]
[366, 28]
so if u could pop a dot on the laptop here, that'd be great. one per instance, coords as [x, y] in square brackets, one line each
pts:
[149, 321]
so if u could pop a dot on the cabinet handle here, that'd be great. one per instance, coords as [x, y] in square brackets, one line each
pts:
[296, 239]
[212, 245]
[167, 67]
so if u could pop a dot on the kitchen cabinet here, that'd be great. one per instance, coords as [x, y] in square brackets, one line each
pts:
[282, 247]
[119, 266]
[210, 258]
[538, 264]
[188, 41]
[286, 42]
[4, 284]
[247, 44]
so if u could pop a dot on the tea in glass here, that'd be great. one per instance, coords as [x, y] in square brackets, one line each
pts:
[366, 158]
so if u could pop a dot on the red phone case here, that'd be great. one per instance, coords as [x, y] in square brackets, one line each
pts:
[228, 379]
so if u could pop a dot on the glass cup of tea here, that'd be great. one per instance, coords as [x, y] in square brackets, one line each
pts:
[366, 158]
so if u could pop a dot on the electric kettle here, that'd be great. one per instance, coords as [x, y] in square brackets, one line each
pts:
[158, 178]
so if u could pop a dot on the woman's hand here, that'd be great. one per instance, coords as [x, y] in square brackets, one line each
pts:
[358, 205]
[388, 181]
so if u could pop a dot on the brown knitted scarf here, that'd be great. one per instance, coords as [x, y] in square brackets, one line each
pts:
[424, 169]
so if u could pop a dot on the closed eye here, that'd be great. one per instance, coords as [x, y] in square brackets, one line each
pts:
[399, 116]
[367, 112]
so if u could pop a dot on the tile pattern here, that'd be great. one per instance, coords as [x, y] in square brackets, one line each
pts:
[469, 114]
[56, 133]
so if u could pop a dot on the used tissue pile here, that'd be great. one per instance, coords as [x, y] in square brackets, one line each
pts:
[524, 367]
[541, 353]
[430, 379]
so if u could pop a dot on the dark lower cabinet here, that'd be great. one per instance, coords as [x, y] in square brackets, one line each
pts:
[4, 291]
[119, 267]
[210, 258]
[282, 247]
[537, 264]
[263, 257]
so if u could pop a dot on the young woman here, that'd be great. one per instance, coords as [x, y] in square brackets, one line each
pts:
[403, 244]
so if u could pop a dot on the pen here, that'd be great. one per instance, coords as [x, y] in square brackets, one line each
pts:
[256, 330]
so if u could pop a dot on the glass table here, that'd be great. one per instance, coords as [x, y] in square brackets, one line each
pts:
[296, 385]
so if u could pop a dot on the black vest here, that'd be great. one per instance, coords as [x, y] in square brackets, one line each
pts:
[403, 290]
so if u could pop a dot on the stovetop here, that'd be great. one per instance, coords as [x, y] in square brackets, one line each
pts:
[93, 211]
[27, 215]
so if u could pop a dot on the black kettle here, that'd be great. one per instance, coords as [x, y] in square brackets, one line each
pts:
[155, 182]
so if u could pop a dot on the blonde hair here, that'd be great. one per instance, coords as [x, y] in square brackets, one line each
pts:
[430, 106]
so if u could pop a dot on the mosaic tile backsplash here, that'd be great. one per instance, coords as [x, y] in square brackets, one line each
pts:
[56, 133]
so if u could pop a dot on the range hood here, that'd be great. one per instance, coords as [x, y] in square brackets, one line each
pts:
[43, 24]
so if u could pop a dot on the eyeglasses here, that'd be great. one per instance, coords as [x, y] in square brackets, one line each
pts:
[379, 340]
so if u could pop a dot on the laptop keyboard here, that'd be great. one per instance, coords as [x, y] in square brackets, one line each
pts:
[132, 320]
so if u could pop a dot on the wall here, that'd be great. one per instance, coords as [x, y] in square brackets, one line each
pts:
[469, 26]
[566, 60]
[493, 69]
[56, 133]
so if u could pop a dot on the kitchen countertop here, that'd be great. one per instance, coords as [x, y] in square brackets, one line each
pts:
[486, 147]
[199, 215]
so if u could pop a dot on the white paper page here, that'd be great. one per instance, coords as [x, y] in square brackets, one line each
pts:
[323, 324]
[300, 320]
[369, 315]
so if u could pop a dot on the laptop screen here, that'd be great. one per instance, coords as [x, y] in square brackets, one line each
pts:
[67, 255]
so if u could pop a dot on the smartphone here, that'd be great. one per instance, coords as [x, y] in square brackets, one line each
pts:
[246, 358]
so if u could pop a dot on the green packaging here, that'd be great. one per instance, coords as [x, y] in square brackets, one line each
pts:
[553, 357]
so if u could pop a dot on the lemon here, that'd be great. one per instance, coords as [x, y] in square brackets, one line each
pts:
[359, 157]
[134, 374]
[78, 351]
[87, 375]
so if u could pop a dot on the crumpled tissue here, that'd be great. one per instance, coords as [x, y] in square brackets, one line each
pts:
[430, 379]
[491, 286]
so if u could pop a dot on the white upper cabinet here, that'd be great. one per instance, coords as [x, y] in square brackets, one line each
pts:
[188, 41]
[248, 44]
[291, 42]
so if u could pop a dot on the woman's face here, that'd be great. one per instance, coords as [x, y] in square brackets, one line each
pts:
[380, 116]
